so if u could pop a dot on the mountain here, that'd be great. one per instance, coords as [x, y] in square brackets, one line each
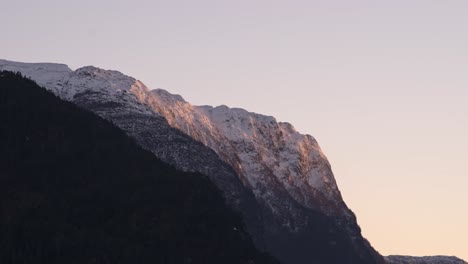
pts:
[76, 189]
[279, 179]
[113, 96]
[287, 171]
[423, 260]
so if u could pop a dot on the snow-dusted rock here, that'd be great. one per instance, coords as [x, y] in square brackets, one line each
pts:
[50, 75]
[286, 170]
[424, 260]
[125, 102]
[260, 149]
[278, 178]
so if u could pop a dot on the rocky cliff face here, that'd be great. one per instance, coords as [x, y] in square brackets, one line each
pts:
[123, 100]
[278, 178]
[287, 171]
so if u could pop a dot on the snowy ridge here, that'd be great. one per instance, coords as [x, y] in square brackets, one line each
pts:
[124, 92]
[110, 86]
[112, 82]
[259, 148]
[125, 102]
[287, 172]
[50, 75]
[424, 260]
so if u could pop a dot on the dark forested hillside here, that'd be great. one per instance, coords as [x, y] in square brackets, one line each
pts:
[75, 189]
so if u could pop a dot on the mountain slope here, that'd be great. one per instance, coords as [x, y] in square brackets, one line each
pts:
[126, 110]
[75, 189]
[423, 260]
[276, 177]
[154, 133]
[286, 170]
[317, 228]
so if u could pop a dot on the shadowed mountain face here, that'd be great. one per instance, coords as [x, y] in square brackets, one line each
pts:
[76, 189]
[285, 170]
[277, 178]
[320, 238]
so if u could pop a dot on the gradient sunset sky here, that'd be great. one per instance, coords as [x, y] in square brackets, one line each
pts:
[382, 86]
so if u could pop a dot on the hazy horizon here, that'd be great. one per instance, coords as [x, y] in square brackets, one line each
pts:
[381, 86]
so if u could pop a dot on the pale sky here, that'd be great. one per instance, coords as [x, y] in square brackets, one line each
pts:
[382, 85]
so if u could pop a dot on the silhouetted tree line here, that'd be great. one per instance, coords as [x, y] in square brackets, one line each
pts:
[75, 189]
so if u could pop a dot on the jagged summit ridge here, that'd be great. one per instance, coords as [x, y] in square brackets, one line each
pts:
[104, 85]
[289, 176]
[287, 171]
[111, 86]
[259, 148]
[264, 153]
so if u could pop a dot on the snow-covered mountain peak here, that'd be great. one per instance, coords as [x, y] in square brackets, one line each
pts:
[116, 79]
[49, 75]
[285, 172]
[263, 151]
[41, 66]
[107, 86]
[110, 79]
[86, 82]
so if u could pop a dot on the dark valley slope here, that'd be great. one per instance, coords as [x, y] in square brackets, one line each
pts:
[75, 189]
